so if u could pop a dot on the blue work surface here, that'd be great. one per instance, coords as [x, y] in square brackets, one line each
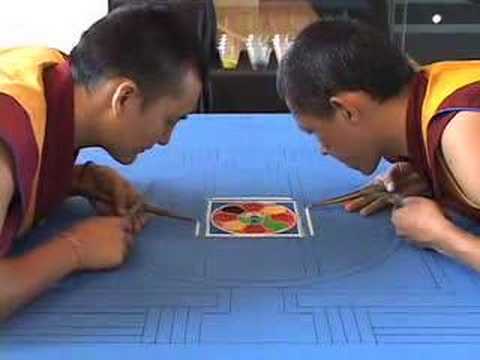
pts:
[352, 290]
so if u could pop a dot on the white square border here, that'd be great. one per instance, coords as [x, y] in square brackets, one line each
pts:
[210, 235]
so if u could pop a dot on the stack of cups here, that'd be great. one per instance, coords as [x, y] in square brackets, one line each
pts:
[281, 43]
[259, 50]
[229, 51]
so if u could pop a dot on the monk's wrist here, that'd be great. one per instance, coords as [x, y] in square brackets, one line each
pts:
[457, 241]
[68, 242]
[83, 178]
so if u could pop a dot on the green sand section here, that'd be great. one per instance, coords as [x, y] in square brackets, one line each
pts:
[252, 219]
[273, 225]
[244, 219]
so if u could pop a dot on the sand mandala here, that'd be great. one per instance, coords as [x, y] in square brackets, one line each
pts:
[253, 217]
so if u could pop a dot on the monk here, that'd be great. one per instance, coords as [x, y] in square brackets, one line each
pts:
[353, 89]
[126, 84]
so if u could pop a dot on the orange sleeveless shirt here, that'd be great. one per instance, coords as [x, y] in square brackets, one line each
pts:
[440, 91]
[36, 125]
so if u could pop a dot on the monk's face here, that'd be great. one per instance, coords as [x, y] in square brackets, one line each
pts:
[349, 142]
[140, 126]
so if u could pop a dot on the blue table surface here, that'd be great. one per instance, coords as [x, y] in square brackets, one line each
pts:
[352, 290]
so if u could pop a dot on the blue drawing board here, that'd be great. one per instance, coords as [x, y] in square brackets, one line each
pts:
[347, 288]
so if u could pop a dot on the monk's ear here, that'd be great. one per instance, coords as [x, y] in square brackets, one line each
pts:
[125, 97]
[349, 105]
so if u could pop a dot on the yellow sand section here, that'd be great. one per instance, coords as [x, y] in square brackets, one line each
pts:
[234, 225]
[273, 210]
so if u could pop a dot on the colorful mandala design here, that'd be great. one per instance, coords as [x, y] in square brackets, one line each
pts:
[254, 218]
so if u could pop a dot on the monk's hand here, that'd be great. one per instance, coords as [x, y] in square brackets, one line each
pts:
[108, 191]
[422, 223]
[400, 179]
[100, 242]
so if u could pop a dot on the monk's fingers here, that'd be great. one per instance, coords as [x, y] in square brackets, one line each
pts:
[359, 203]
[387, 181]
[102, 208]
[145, 218]
[415, 189]
[134, 198]
[376, 205]
[138, 220]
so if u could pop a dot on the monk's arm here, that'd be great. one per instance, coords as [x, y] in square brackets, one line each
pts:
[461, 151]
[462, 245]
[23, 278]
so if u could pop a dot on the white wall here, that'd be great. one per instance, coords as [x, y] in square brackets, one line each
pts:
[54, 23]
